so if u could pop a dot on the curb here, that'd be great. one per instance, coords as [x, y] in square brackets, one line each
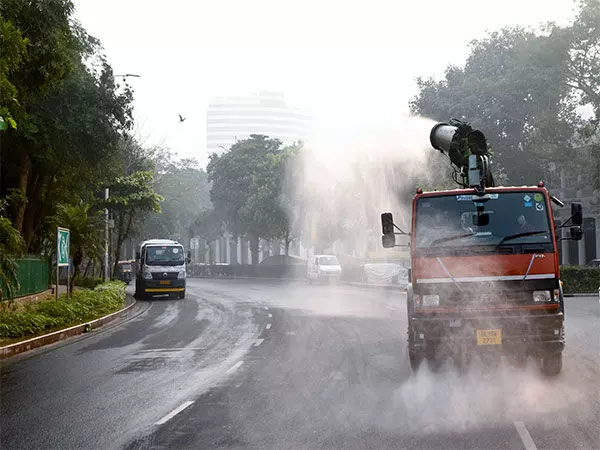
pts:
[591, 294]
[56, 336]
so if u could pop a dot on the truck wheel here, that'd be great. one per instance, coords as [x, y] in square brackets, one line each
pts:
[416, 359]
[552, 364]
[182, 295]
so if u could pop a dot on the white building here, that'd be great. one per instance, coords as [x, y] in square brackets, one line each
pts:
[231, 119]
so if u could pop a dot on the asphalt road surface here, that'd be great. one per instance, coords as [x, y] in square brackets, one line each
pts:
[242, 364]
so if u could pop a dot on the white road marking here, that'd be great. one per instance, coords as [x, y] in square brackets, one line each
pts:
[258, 342]
[235, 367]
[268, 326]
[174, 413]
[270, 315]
[525, 436]
[392, 309]
[267, 308]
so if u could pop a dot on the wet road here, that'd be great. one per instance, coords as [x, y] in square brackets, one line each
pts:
[240, 364]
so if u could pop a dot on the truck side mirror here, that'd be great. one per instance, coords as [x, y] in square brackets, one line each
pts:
[387, 223]
[137, 255]
[387, 228]
[576, 233]
[576, 214]
[388, 240]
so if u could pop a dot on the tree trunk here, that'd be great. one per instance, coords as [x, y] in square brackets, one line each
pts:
[32, 214]
[24, 170]
[254, 250]
[121, 236]
[77, 259]
[287, 245]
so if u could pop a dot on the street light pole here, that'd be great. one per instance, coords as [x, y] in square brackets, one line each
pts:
[106, 236]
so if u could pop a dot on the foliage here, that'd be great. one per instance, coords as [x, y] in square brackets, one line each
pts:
[130, 198]
[524, 89]
[11, 245]
[580, 280]
[207, 226]
[184, 187]
[49, 315]
[85, 227]
[70, 113]
[248, 189]
[87, 282]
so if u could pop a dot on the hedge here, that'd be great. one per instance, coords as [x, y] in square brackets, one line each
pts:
[88, 282]
[49, 315]
[577, 280]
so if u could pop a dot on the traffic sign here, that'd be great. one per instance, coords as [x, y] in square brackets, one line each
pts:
[62, 246]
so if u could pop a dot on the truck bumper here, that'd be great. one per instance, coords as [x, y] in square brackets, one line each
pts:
[157, 287]
[531, 334]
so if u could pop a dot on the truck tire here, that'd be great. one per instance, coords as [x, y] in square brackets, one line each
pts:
[552, 364]
[182, 295]
[415, 356]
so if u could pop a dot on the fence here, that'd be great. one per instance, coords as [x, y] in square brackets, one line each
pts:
[33, 275]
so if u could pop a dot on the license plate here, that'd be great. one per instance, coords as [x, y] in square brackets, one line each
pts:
[165, 282]
[491, 336]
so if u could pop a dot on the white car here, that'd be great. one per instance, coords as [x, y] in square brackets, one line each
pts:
[323, 268]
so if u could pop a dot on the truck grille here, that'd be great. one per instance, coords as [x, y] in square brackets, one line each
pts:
[164, 275]
[486, 298]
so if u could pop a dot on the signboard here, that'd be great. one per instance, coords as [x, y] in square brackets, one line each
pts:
[62, 246]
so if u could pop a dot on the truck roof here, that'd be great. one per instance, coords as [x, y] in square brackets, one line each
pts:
[159, 242]
[490, 189]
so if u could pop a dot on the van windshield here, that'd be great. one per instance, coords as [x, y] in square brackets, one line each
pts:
[164, 255]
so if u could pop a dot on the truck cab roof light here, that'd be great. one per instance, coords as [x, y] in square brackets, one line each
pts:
[419, 191]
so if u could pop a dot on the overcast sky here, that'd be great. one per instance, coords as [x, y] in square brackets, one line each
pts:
[353, 64]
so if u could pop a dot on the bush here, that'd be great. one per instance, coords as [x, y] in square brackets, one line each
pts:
[48, 315]
[579, 280]
[88, 282]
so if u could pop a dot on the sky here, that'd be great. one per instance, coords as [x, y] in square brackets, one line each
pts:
[353, 65]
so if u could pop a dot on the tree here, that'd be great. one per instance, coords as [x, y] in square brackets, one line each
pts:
[85, 226]
[69, 111]
[11, 245]
[511, 89]
[244, 192]
[207, 226]
[184, 187]
[131, 198]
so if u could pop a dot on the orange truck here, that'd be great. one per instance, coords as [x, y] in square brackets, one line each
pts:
[485, 271]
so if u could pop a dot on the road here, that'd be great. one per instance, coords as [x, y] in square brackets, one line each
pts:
[242, 364]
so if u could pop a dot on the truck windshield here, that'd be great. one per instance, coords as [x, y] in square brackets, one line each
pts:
[512, 218]
[164, 256]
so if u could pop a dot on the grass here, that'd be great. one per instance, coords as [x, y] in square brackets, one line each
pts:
[49, 315]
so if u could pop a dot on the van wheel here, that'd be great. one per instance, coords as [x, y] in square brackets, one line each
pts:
[552, 364]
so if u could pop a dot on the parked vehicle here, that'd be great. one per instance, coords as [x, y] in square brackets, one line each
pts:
[323, 268]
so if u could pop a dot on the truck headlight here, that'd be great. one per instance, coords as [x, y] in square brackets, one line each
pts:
[541, 296]
[430, 300]
[181, 275]
[147, 275]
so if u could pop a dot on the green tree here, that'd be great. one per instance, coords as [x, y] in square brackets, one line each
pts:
[246, 188]
[131, 199]
[11, 245]
[207, 226]
[184, 187]
[85, 226]
[69, 110]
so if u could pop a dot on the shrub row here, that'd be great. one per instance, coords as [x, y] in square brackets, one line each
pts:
[349, 273]
[88, 282]
[49, 315]
[578, 280]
